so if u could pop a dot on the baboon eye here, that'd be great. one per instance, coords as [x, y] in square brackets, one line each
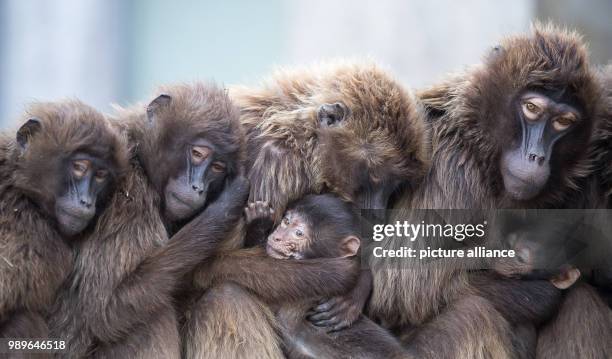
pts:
[80, 168]
[564, 122]
[531, 110]
[299, 233]
[218, 167]
[286, 221]
[199, 154]
[101, 175]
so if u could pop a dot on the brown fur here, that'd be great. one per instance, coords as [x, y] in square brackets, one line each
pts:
[364, 339]
[599, 194]
[465, 330]
[226, 309]
[288, 157]
[26, 324]
[582, 328]
[34, 257]
[254, 270]
[467, 134]
[230, 304]
[118, 302]
[383, 136]
[583, 324]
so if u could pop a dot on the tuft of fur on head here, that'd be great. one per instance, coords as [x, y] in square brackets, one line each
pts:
[67, 127]
[197, 109]
[469, 107]
[383, 135]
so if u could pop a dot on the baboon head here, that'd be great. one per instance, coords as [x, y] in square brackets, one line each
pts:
[372, 138]
[536, 101]
[68, 160]
[191, 146]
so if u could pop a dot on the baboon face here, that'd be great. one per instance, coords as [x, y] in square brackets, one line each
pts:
[543, 120]
[316, 226]
[192, 146]
[536, 101]
[69, 160]
[202, 174]
[291, 238]
[85, 177]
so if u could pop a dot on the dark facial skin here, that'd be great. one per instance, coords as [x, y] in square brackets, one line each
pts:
[186, 193]
[526, 168]
[86, 178]
[290, 238]
[375, 195]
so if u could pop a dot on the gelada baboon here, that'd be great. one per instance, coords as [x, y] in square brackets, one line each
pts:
[601, 152]
[526, 288]
[510, 133]
[346, 128]
[56, 176]
[598, 191]
[186, 147]
[256, 273]
[583, 325]
[320, 226]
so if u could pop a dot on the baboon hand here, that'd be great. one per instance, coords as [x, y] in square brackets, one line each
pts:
[258, 210]
[336, 313]
[233, 198]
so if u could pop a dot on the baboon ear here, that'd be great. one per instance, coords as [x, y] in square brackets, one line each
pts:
[332, 114]
[496, 52]
[498, 49]
[350, 246]
[26, 131]
[567, 278]
[160, 101]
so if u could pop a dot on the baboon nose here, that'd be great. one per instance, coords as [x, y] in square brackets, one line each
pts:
[85, 203]
[197, 189]
[535, 158]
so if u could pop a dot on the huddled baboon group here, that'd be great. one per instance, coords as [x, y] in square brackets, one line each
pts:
[214, 223]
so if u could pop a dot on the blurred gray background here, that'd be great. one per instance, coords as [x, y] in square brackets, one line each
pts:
[118, 51]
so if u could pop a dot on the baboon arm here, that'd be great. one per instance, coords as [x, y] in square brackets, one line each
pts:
[277, 177]
[364, 339]
[30, 273]
[532, 301]
[306, 342]
[66, 322]
[147, 290]
[281, 280]
[342, 311]
[12, 274]
[301, 339]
